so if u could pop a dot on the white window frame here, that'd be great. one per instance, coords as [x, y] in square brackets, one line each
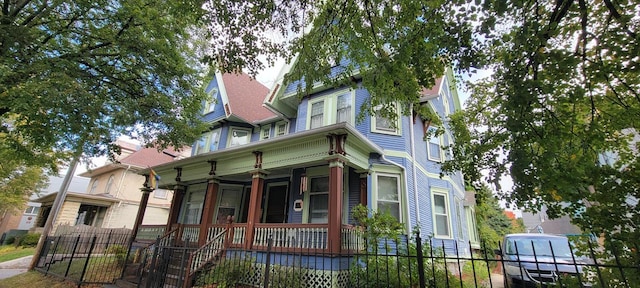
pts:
[330, 108]
[160, 193]
[324, 111]
[323, 171]
[398, 124]
[210, 103]
[265, 130]
[277, 133]
[232, 129]
[459, 226]
[307, 202]
[398, 189]
[441, 192]
[474, 237]
[440, 143]
[351, 93]
[208, 140]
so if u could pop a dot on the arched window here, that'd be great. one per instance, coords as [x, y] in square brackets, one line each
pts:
[107, 190]
[94, 186]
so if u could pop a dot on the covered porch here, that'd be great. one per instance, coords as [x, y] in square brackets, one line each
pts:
[296, 189]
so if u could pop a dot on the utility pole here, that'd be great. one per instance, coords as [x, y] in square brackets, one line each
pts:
[57, 204]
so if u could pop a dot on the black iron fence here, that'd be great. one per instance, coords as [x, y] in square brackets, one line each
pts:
[85, 258]
[407, 262]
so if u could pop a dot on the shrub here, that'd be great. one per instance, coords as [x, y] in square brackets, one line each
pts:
[229, 272]
[119, 251]
[30, 240]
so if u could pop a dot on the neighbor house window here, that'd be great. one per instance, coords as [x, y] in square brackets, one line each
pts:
[32, 210]
[94, 187]
[265, 132]
[441, 215]
[317, 114]
[160, 194]
[389, 195]
[471, 225]
[435, 145]
[109, 184]
[381, 124]
[239, 137]
[282, 128]
[210, 104]
[319, 200]
[208, 142]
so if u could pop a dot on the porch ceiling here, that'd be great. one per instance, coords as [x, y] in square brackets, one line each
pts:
[301, 149]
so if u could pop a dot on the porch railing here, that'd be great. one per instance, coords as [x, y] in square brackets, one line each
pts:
[285, 235]
[150, 232]
[300, 236]
[352, 238]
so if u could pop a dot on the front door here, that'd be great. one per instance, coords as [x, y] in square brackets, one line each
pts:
[276, 206]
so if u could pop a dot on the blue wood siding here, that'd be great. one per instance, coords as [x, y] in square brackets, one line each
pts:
[354, 194]
[294, 189]
[218, 112]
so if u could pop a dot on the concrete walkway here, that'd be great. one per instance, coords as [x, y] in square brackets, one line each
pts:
[14, 267]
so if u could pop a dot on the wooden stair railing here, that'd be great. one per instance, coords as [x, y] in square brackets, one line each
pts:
[144, 255]
[204, 255]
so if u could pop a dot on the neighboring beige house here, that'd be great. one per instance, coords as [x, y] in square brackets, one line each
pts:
[113, 194]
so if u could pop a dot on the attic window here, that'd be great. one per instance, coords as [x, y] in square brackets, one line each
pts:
[282, 128]
[210, 104]
[239, 137]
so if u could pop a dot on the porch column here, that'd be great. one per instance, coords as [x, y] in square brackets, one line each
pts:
[257, 185]
[146, 190]
[334, 234]
[207, 211]
[176, 203]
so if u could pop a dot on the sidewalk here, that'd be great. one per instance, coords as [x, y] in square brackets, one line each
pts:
[14, 267]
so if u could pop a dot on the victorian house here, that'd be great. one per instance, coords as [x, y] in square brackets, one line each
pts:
[275, 165]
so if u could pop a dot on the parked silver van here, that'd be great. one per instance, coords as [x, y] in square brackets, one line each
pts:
[534, 260]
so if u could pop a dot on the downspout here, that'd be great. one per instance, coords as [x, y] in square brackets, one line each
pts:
[414, 169]
[118, 192]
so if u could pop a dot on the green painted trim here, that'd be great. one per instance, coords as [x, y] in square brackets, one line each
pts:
[405, 155]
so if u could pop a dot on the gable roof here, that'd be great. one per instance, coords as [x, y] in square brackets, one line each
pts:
[429, 93]
[245, 96]
[143, 158]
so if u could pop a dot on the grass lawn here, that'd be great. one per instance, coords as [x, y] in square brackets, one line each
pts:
[99, 269]
[35, 279]
[10, 252]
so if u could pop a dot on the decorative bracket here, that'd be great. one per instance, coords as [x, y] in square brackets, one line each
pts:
[213, 164]
[258, 159]
[178, 174]
[339, 140]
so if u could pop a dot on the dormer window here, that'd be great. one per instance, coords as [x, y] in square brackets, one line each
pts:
[265, 132]
[210, 104]
[282, 128]
[239, 137]
[208, 142]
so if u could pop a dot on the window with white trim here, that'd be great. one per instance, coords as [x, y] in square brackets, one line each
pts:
[32, 210]
[459, 218]
[282, 128]
[319, 199]
[160, 193]
[107, 190]
[388, 200]
[265, 132]
[239, 136]
[434, 146]
[317, 114]
[192, 211]
[208, 142]
[441, 215]
[330, 109]
[471, 224]
[343, 109]
[210, 104]
[381, 124]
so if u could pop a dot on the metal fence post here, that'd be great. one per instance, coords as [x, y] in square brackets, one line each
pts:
[420, 259]
[73, 253]
[268, 262]
[152, 269]
[86, 263]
